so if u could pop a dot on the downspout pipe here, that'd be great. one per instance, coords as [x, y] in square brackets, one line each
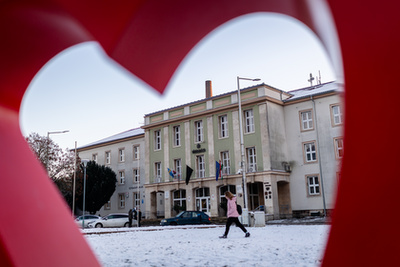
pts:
[319, 155]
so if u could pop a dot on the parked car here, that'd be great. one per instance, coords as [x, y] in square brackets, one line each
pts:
[111, 220]
[187, 217]
[88, 218]
[260, 208]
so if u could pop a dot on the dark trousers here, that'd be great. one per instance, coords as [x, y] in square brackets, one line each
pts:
[236, 221]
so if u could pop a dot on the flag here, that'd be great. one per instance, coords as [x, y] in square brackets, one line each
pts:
[188, 173]
[222, 168]
[171, 173]
[217, 170]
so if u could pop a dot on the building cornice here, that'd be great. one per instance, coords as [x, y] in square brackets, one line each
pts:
[99, 145]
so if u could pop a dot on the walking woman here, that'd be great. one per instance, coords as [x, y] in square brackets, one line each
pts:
[232, 215]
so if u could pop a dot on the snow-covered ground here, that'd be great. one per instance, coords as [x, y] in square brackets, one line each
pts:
[272, 245]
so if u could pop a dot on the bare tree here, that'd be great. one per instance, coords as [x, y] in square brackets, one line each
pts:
[59, 164]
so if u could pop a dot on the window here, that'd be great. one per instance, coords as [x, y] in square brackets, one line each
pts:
[198, 125]
[121, 154]
[107, 206]
[306, 120]
[251, 159]
[337, 116]
[226, 169]
[177, 135]
[223, 189]
[108, 157]
[178, 168]
[136, 176]
[310, 154]
[157, 171]
[223, 126]
[136, 152]
[339, 147]
[157, 140]
[249, 121]
[180, 198]
[121, 177]
[121, 201]
[313, 185]
[136, 197]
[200, 164]
[94, 157]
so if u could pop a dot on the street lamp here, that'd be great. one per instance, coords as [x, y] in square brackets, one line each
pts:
[84, 161]
[47, 147]
[243, 161]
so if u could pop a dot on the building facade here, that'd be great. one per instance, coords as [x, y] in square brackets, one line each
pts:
[292, 143]
[124, 153]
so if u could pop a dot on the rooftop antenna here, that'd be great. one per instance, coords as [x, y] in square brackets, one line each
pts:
[311, 79]
[319, 78]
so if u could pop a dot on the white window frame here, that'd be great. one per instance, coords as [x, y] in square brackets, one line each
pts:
[157, 171]
[136, 152]
[336, 114]
[225, 162]
[251, 159]
[107, 206]
[249, 121]
[121, 201]
[179, 197]
[157, 140]
[121, 155]
[306, 120]
[313, 185]
[338, 147]
[310, 152]
[177, 135]
[121, 177]
[136, 199]
[178, 168]
[200, 166]
[136, 175]
[108, 157]
[95, 157]
[198, 128]
[223, 126]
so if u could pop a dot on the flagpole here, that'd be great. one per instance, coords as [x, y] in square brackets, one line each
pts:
[243, 161]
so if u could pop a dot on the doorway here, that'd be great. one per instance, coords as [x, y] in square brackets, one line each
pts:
[203, 200]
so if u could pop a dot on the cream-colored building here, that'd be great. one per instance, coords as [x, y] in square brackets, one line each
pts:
[292, 142]
[124, 153]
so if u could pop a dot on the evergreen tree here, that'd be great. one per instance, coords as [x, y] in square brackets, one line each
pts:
[100, 186]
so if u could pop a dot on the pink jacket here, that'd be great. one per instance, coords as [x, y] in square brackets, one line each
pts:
[232, 212]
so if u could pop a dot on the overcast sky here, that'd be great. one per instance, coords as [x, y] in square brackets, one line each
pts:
[85, 92]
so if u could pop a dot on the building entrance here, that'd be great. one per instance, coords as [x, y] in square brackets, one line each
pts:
[203, 200]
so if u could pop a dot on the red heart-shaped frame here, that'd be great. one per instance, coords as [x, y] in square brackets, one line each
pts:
[153, 36]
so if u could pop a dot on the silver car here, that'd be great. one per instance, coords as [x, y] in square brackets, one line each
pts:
[88, 218]
[111, 220]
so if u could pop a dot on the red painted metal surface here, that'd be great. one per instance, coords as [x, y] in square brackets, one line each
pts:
[153, 36]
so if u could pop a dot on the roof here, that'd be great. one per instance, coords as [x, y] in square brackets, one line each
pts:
[216, 96]
[116, 137]
[314, 90]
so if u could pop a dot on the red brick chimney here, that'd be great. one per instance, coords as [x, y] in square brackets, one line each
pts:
[208, 89]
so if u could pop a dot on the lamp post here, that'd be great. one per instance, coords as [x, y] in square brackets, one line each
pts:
[243, 161]
[74, 185]
[84, 161]
[47, 146]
